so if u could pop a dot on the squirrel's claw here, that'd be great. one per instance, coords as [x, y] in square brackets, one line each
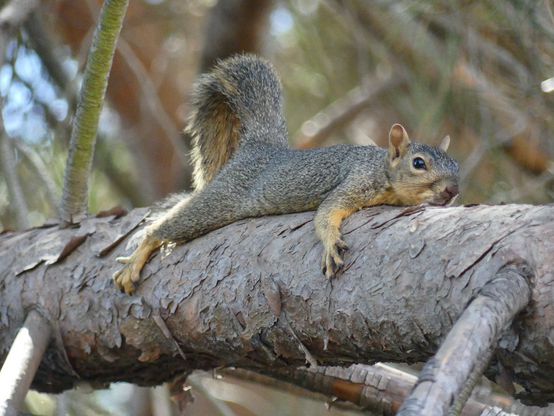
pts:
[332, 261]
[341, 247]
[123, 260]
[126, 278]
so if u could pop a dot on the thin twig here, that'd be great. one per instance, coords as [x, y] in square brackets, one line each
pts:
[151, 97]
[47, 50]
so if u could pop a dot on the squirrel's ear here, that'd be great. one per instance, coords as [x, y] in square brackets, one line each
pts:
[445, 143]
[398, 142]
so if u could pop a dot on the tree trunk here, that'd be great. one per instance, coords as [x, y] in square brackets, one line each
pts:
[234, 26]
[252, 295]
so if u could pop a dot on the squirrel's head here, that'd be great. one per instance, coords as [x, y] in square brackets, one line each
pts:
[420, 173]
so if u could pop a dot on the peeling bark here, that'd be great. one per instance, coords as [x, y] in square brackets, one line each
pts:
[251, 294]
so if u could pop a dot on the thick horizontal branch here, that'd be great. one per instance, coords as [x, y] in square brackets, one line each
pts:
[251, 294]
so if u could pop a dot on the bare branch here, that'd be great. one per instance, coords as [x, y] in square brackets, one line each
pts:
[47, 50]
[150, 96]
[379, 388]
[22, 362]
[469, 342]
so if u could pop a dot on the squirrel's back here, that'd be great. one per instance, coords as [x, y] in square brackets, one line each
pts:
[237, 104]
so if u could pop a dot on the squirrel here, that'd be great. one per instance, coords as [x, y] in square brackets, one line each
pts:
[244, 167]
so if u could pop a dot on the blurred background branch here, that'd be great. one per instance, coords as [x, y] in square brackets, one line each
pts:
[479, 72]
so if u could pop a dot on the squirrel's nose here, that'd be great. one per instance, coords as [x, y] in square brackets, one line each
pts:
[450, 191]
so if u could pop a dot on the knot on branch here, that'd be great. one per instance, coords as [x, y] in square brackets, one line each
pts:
[429, 372]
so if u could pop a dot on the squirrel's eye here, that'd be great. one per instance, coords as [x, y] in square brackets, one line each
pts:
[419, 163]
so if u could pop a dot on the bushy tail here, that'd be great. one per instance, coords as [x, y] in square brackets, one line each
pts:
[239, 103]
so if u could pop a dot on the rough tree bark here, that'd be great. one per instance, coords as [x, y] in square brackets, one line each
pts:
[251, 295]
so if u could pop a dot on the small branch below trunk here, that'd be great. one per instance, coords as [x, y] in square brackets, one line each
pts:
[22, 362]
[445, 376]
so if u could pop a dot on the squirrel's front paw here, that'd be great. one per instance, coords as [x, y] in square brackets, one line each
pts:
[332, 261]
[127, 277]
